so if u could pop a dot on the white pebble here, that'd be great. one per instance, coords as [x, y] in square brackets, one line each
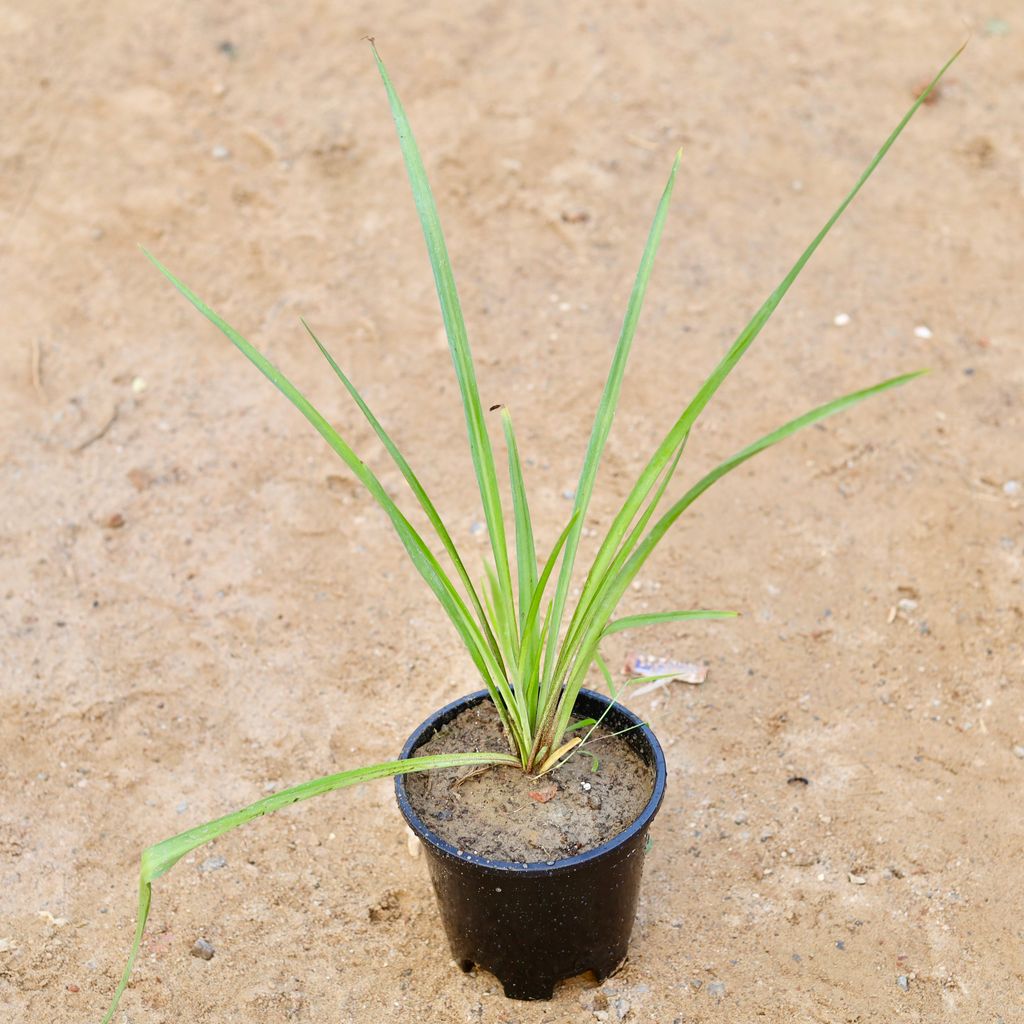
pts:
[1012, 488]
[921, 331]
[220, 152]
[841, 319]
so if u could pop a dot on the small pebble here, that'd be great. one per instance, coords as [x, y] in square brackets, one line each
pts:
[857, 879]
[220, 152]
[202, 949]
[921, 331]
[1012, 488]
[741, 818]
[214, 863]
[586, 786]
[1019, 751]
[904, 982]
[841, 319]
[716, 989]
[568, 494]
[182, 807]
[594, 802]
[594, 999]
[73, 988]
[622, 1008]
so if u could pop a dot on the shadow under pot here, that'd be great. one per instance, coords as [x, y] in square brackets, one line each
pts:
[533, 925]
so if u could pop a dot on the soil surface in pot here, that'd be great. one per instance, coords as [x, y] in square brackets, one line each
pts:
[504, 814]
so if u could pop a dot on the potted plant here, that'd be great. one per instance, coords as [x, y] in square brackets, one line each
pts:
[532, 918]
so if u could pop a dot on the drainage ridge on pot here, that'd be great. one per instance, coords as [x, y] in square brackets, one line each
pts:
[533, 925]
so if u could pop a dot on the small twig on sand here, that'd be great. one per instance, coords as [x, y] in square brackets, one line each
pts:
[37, 370]
[476, 771]
[93, 438]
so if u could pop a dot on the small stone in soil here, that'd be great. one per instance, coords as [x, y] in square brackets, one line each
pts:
[1019, 751]
[202, 949]
[1012, 488]
[544, 794]
[594, 802]
[182, 807]
[903, 982]
[214, 863]
[716, 989]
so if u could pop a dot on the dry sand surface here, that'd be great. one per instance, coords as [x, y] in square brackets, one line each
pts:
[198, 604]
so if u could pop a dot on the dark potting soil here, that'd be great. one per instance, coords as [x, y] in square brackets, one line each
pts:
[505, 814]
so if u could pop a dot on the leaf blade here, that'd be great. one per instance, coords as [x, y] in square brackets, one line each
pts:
[455, 328]
[158, 859]
[753, 328]
[660, 618]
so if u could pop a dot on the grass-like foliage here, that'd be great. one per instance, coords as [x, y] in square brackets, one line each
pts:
[532, 651]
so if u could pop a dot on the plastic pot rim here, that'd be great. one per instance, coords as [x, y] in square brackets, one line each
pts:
[535, 868]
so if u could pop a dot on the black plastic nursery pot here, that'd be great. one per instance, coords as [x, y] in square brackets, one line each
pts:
[534, 925]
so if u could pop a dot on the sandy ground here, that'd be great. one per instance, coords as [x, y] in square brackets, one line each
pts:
[198, 604]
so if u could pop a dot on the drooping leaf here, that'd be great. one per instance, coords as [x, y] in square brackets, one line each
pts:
[158, 859]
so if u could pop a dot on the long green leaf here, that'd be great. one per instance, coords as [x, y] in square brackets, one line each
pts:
[600, 574]
[417, 489]
[526, 552]
[157, 860]
[458, 341]
[602, 426]
[659, 618]
[745, 339]
[422, 557]
[614, 589]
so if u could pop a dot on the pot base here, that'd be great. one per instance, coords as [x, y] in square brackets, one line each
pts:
[531, 987]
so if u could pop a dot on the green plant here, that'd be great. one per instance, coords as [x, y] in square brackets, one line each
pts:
[532, 662]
